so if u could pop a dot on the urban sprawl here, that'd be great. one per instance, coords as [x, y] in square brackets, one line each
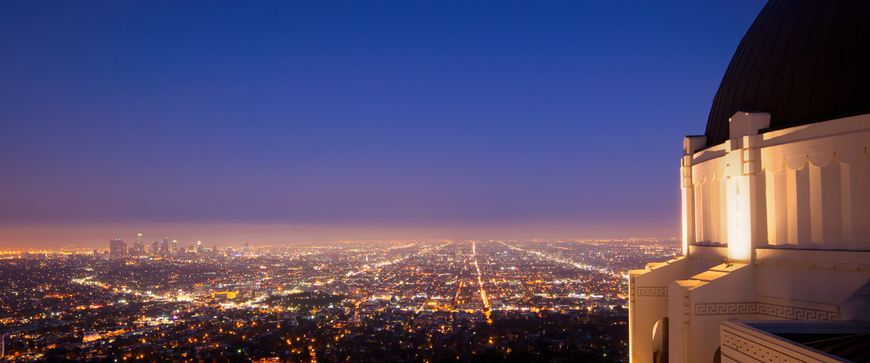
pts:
[385, 301]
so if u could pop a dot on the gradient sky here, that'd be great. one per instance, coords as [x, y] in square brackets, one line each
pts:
[290, 121]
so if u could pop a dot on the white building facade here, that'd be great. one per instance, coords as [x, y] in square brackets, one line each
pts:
[775, 205]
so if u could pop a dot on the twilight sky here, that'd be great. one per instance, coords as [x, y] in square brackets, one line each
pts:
[307, 121]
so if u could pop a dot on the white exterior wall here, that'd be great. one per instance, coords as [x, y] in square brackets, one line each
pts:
[788, 210]
[813, 185]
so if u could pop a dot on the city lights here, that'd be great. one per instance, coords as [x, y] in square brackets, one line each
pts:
[326, 296]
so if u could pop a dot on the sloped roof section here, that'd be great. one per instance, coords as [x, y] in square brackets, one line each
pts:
[803, 61]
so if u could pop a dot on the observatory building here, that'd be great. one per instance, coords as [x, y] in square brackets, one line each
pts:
[775, 203]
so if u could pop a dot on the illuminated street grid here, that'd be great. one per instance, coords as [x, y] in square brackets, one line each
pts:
[215, 304]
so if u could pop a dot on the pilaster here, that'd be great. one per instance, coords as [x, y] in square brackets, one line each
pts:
[691, 144]
[745, 200]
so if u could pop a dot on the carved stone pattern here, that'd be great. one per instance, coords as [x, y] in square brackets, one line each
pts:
[755, 350]
[779, 311]
[726, 308]
[652, 291]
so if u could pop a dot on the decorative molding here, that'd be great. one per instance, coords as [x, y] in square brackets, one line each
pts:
[779, 311]
[726, 308]
[821, 265]
[652, 291]
[755, 350]
[796, 313]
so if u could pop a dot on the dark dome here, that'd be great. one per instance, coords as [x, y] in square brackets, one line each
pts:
[803, 61]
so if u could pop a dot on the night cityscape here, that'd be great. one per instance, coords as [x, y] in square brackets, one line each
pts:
[435, 181]
[430, 300]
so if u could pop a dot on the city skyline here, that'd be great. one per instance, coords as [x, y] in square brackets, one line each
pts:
[278, 123]
[80, 238]
[358, 301]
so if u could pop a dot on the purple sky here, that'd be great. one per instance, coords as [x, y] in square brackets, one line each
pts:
[351, 120]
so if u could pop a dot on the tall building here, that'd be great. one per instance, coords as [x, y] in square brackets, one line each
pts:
[174, 247]
[155, 248]
[775, 203]
[117, 248]
[164, 246]
[198, 247]
[138, 247]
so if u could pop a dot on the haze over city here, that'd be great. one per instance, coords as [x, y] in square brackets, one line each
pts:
[435, 182]
[275, 122]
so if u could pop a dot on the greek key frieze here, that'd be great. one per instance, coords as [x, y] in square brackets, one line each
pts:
[655, 291]
[779, 311]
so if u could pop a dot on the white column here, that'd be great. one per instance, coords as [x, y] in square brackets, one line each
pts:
[690, 145]
[746, 202]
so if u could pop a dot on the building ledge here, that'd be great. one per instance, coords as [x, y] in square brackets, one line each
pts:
[794, 341]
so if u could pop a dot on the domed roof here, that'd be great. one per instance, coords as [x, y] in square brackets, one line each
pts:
[802, 61]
